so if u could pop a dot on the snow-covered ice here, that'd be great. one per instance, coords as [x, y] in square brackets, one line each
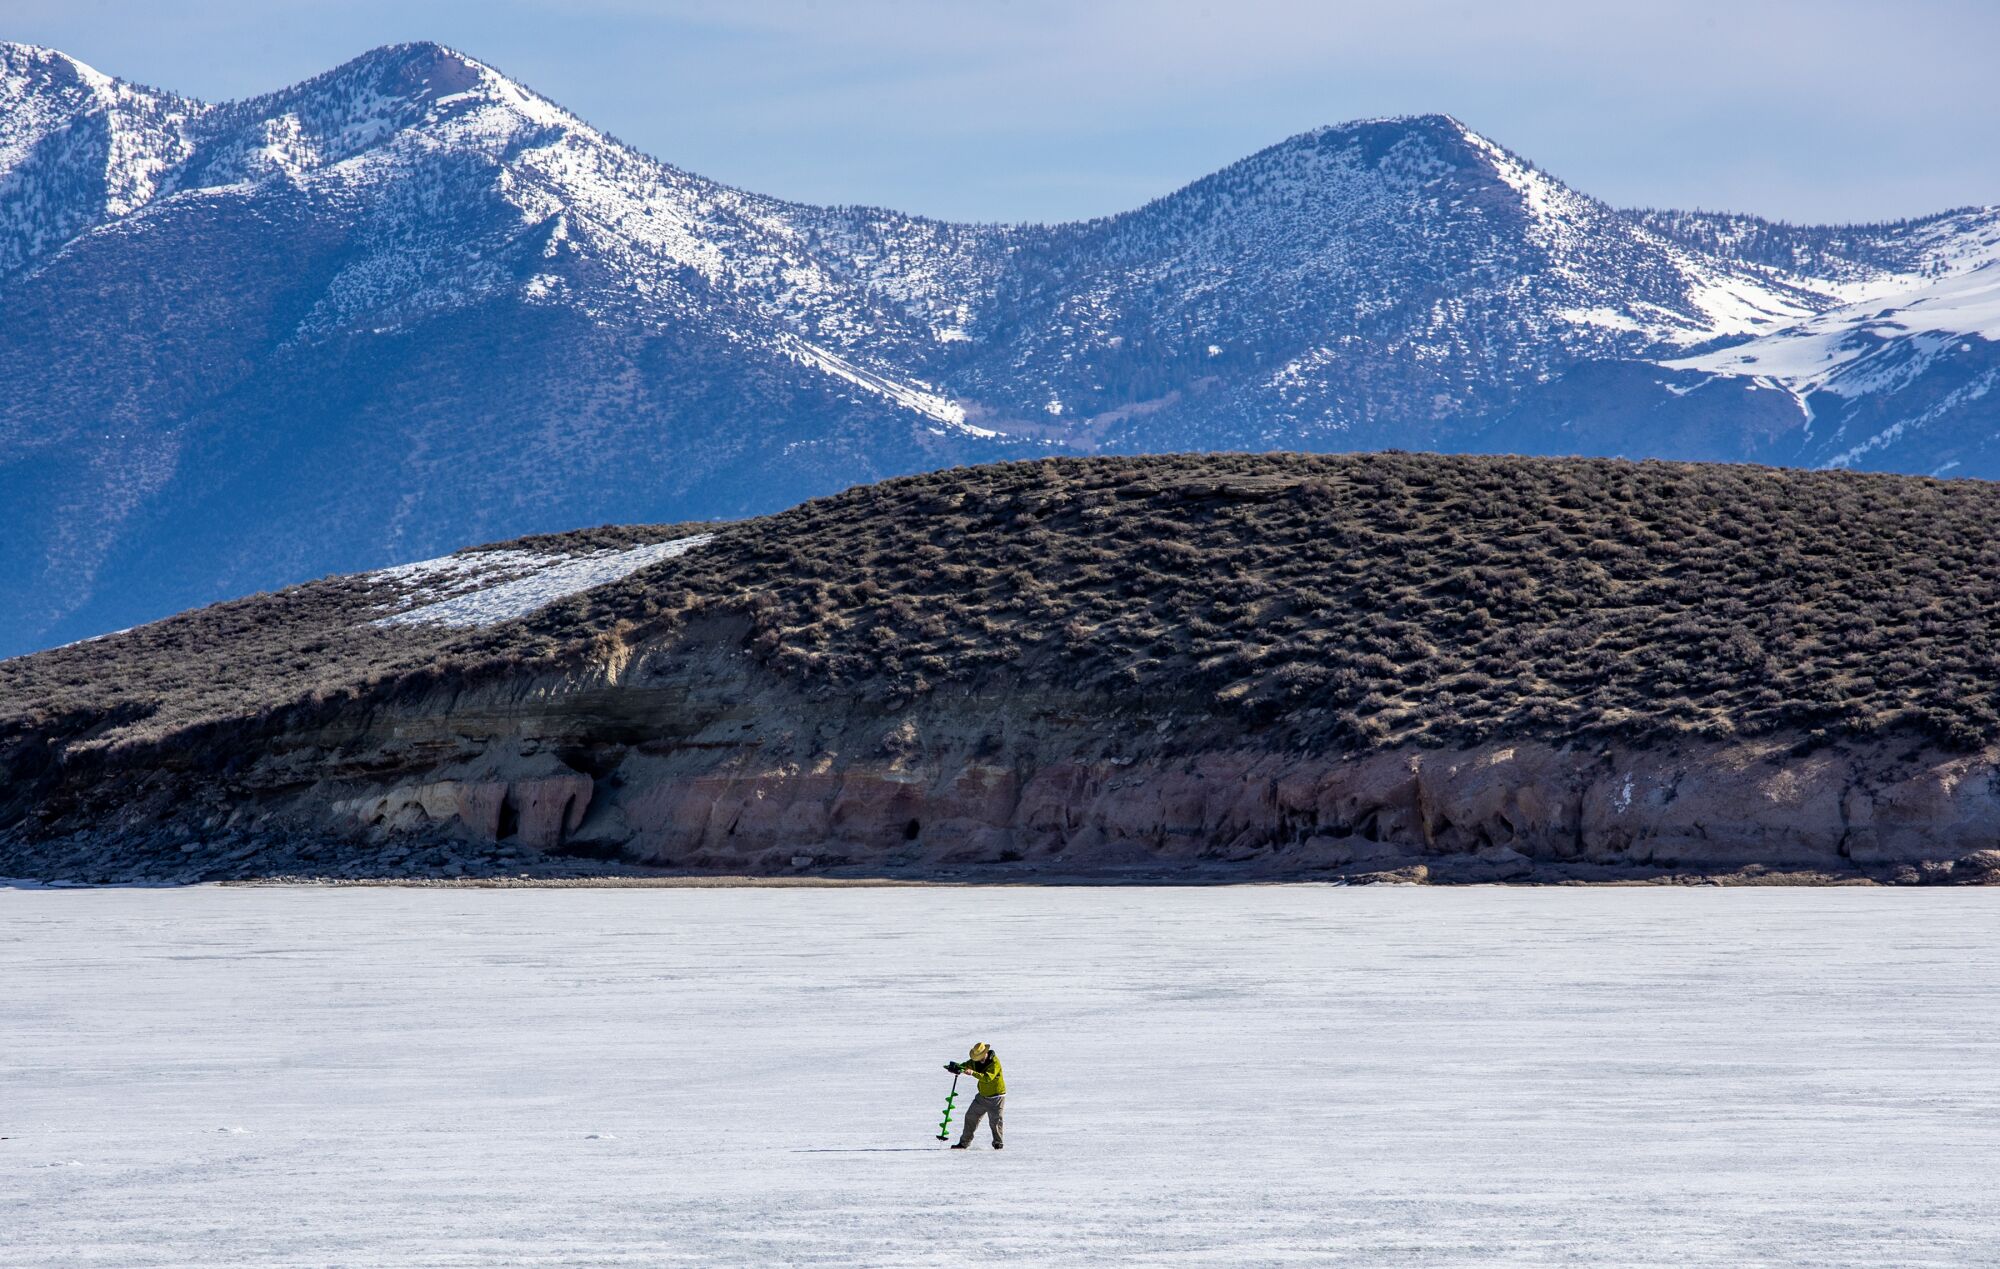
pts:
[1267, 1075]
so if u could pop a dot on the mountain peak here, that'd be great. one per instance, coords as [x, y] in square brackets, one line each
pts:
[419, 64]
[1391, 128]
[1376, 139]
[422, 73]
[365, 104]
[30, 67]
[1429, 122]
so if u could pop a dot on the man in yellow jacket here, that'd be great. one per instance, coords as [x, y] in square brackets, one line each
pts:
[984, 1063]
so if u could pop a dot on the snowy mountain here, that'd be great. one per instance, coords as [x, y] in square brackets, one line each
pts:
[1900, 378]
[1894, 371]
[410, 303]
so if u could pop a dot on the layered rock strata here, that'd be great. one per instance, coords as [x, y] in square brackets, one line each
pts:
[694, 759]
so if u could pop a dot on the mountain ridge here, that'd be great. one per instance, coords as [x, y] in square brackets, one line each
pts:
[498, 319]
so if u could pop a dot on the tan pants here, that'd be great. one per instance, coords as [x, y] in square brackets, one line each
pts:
[981, 1107]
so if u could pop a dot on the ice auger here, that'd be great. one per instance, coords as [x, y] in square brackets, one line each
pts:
[944, 1126]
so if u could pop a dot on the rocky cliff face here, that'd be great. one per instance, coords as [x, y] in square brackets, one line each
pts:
[683, 758]
[736, 777]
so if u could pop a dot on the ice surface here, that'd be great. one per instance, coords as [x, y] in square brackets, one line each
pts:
[1295, 1075]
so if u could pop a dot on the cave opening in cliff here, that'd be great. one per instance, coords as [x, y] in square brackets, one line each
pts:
[911, 829]
[510, 821]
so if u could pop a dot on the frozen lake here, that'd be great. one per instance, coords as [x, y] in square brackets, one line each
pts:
[1297, 1075]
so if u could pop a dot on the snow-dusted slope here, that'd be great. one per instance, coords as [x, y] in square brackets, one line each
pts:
[77, 148]
[464, 185]
[411, 302]
[1858, 348]
[1915, 352]
[406, 298]
[1371, 283]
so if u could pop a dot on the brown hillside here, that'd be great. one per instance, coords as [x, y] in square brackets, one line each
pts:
[1356, 601]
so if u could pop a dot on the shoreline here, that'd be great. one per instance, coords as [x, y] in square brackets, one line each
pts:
[1760, 879]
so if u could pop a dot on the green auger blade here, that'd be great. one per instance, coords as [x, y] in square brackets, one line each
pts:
[944, 1127]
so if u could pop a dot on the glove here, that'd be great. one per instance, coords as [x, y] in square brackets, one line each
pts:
[953, 1067]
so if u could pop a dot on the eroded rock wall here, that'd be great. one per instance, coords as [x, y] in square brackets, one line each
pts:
[701, 763]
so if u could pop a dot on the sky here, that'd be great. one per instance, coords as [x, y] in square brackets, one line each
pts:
[1039, 110]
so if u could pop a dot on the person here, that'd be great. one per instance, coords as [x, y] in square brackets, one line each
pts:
[984, 1063]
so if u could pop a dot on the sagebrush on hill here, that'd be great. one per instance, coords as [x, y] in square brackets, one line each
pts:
[1352, 601]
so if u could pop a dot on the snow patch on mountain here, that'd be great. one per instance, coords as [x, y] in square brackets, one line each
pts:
[1978, 388]
[1708, 298]
[912, 397]
[1875, 345]
[1552, 207]
[77, 148]
[1737, 305]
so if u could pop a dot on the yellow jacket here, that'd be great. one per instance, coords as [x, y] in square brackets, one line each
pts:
[991, 1082]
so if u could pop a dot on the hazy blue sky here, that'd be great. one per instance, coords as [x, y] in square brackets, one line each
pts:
[1040, 109]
